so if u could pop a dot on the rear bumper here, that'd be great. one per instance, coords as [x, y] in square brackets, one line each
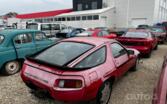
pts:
[142, 49]
[71, 95]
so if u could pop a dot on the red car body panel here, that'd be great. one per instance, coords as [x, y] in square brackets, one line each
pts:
[45, 77]
[160, 92]
[97, 31]
[143, 45]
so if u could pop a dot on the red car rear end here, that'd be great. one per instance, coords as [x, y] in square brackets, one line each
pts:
[142, 40]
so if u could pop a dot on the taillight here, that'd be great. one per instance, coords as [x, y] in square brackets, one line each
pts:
[63, 83]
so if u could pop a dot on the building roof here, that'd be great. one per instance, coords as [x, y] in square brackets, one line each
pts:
[96, 11]
[43, 14]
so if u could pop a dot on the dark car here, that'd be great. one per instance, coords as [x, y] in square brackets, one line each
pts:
[68, 33]
[160, 33]
[144, 26]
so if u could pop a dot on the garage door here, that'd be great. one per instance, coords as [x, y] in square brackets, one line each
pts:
[136, 22]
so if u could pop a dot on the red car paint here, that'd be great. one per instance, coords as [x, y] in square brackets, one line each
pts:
[144, 45]
[47, 77]
[160, 92]
[98, 33]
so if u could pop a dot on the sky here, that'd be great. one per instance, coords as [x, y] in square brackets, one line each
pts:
[29, 6]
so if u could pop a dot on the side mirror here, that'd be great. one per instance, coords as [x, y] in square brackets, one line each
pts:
[113, 35]
[131, 52]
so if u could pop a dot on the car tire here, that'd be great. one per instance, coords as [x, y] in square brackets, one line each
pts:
[104, 93]
[156, 47]
[148, 55]
[134, 68]
[11, 67]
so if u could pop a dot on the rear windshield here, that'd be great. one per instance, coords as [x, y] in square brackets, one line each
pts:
[158, 30]
[63, 53]
[1, 39]
[136, 35]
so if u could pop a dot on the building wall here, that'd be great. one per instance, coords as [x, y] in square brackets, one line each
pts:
[160, 11]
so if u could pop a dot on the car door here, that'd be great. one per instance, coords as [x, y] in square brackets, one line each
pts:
[41, 41]
[24, 45]
[121, 58]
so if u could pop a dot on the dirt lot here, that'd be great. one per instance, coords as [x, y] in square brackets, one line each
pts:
[134, 88]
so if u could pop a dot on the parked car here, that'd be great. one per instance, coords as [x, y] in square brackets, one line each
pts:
[50, 29]
[79, 69]
[97, 33]
[160, 92]
[16, 44]
[68, 33]
[142, 40]
[160, 33]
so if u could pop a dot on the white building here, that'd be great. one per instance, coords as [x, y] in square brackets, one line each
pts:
[106, 13]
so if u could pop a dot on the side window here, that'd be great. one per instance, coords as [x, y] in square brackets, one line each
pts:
[23, 38]
[105, 33]
[100, 34]
[96, 58]
[55, 27]
[40, 37]
[45, 27]
[117, 50]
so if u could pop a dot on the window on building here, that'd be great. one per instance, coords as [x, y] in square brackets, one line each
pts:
[94, 5]
[63, 19]
[78, 18]
[96, 17]
[68, 19]
[55, 19]
[83, 17]
[59, 19]
[90, 17]
[79, 7]
[72, 18]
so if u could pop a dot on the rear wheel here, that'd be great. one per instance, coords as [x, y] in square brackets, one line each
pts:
[11, 67]
[148, 55]
[134, 68]
[156, 47]
[104, 93]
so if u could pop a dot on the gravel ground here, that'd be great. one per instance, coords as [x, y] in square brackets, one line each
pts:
[134, 88]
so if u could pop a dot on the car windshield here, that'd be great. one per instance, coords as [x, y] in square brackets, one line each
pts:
[85, 33]
[158, 30]
[63, 53]
[1, 39]
[136, 35]
[32, 26]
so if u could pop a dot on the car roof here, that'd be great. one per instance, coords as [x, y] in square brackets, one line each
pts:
[139, 30]
[16, 31]
[91, 40]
